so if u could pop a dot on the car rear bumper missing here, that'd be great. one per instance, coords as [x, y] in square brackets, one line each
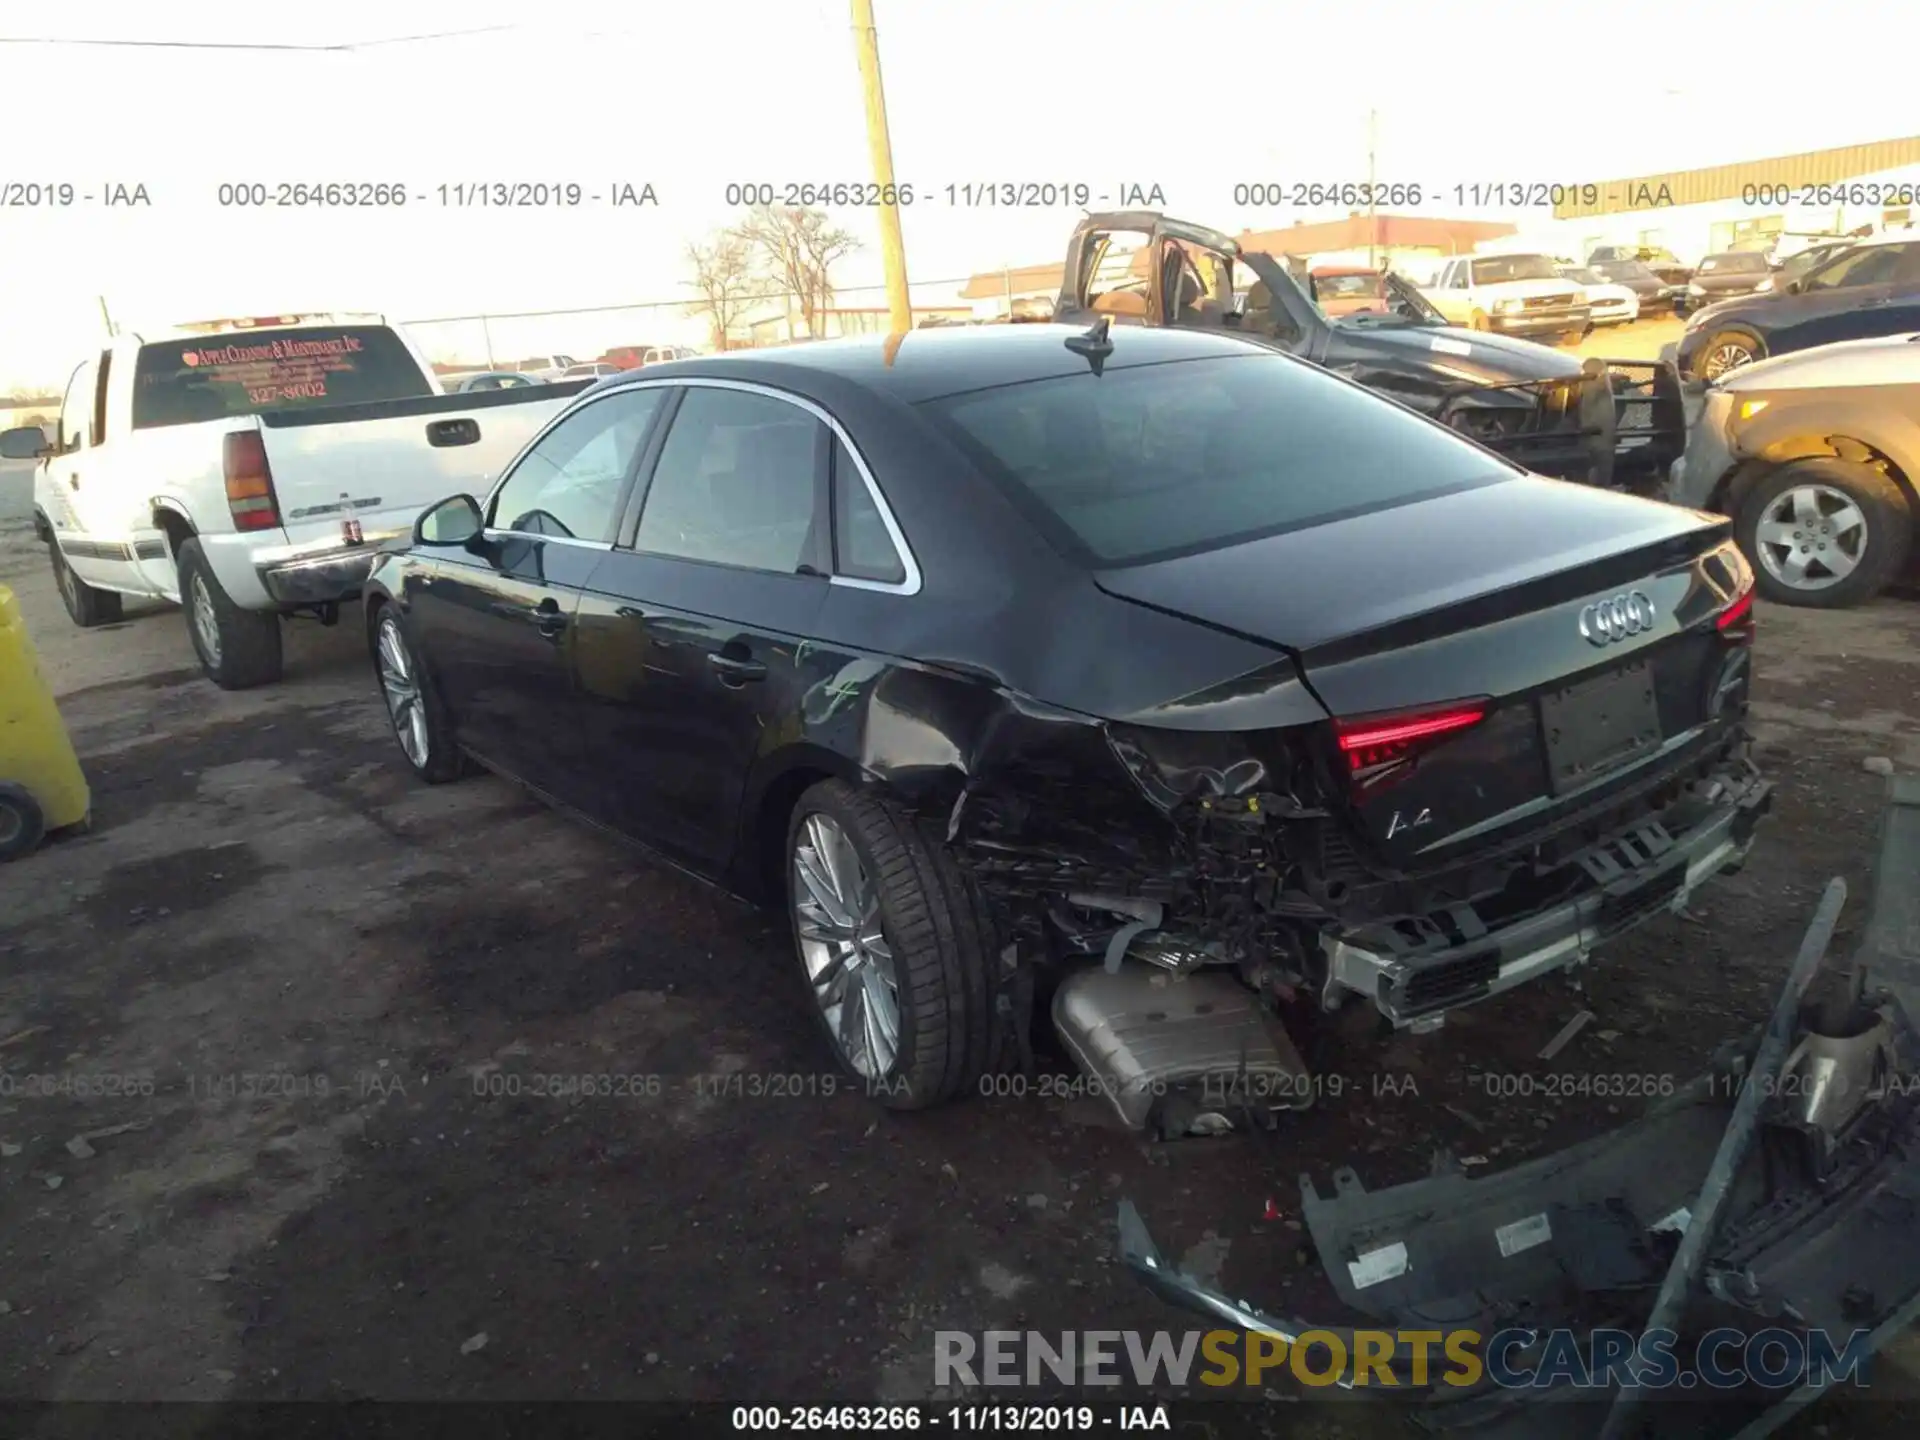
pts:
[1635, 874]
[1800, 1217]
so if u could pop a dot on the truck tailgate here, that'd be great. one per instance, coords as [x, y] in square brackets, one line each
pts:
[383, 464]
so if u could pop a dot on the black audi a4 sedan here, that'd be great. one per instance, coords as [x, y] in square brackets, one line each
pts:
[1152, 676]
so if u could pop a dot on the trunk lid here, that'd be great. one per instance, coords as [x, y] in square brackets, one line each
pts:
[1483, 596]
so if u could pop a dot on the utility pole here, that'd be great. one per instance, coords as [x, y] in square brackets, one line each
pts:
[486, 335]
[1373, 220]
[893, 255]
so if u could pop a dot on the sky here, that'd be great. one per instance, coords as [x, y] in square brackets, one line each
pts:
[688, 98]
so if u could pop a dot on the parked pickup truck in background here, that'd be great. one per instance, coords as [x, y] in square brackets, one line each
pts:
[1612, 423]
[250, 469]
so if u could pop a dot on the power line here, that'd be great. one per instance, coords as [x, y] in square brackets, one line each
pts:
[340, 48]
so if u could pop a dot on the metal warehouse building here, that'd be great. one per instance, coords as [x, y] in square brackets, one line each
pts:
[1748, 206]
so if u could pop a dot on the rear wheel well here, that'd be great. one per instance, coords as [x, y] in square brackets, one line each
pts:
[175, 526]
[1733, 487]
[767, 841]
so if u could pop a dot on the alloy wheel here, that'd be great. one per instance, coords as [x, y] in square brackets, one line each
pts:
[1725, 355]
[206, 624]
[836, 917]
[1811, 537]
[401, 689]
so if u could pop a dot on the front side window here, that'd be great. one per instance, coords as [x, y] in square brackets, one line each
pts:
[735, 483]
[77, 407]
[1140, 464]
[1868, 265]
[569, 485]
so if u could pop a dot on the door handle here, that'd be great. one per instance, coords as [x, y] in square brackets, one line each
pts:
[549, 619]
[73, 482]
[736, 670]
[442, 433]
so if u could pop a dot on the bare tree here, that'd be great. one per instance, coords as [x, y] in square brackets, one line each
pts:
[723, 273]
[799, 248]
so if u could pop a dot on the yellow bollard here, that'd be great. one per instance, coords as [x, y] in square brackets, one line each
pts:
[42, 787]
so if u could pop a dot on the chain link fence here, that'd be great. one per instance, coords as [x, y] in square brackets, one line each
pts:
[507, 341]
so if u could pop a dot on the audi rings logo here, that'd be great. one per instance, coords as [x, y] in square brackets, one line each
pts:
[1605, 621]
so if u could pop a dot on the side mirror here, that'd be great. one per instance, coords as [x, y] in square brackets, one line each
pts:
[1793, 287]
[454, 521]
[24, 442]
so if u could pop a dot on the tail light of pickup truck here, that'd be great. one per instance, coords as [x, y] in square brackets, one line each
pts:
[250, 497]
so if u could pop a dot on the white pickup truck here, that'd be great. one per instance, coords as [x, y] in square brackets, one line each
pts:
[250, 469]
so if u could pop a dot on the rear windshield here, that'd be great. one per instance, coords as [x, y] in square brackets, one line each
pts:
[181, 382]
[1340, 286]
[1740, 261]
[1161, 460]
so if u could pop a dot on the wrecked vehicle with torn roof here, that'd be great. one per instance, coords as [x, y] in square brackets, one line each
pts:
[1611, 423]
[1624, 1285]
[1145, 679]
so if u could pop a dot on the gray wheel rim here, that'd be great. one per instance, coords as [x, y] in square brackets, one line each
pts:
[1725, 355]
[401, 687]
[836, 918]
[205, 623]
[1811, 537]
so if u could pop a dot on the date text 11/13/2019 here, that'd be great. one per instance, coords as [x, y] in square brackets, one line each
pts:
[447, 195]
[960, 1419]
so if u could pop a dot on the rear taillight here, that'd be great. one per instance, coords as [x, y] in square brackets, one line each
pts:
[1377, 746]
[250, 497]
[1736, 621]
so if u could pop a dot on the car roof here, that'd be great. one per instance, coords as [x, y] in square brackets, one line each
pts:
[929, 363]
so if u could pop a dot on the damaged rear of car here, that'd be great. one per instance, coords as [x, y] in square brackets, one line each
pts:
[1609, 423]
[1771, 1202]
[1501, 722]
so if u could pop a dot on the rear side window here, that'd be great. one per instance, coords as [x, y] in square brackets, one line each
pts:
[863, 550]
[1143, 464]
[181, 382]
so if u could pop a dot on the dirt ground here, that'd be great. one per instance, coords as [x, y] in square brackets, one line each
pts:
[300, 1006]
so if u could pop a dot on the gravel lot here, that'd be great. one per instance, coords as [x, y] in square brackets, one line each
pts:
[266, 893]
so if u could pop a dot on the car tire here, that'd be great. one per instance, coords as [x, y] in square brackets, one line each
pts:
[940, 941]
[1733, 341]
[419, 719]
[86, 606]
[238, 649]
[23, 824]
[1829, 486]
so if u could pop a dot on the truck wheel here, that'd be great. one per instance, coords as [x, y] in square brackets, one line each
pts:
[1727, 350]
[413, 705]
[896, 946]
[86, 606]
[238, 649]
[1824, 533]
[22, 821]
